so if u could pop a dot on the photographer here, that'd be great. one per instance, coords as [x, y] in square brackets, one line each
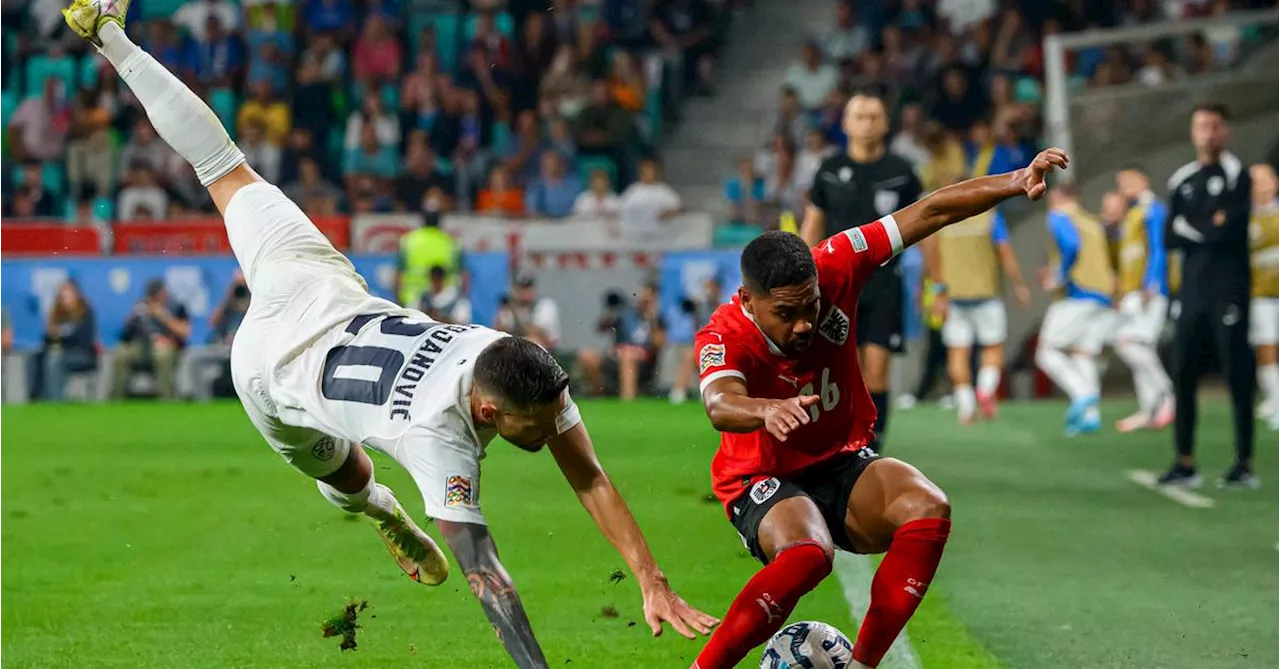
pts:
[445, 302]
[153, 336]
[205, 371]
[639, 334]
[527, 315]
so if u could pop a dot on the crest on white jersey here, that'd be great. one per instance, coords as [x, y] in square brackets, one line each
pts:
[886, 201]
[835, 327]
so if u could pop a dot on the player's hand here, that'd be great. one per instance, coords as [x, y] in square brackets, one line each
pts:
[1022, 295]
[662, 604]
[783, 416]
[941, 303]
[1033, 175]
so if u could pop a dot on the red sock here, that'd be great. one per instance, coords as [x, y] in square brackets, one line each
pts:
[899, 585]
[764, 604]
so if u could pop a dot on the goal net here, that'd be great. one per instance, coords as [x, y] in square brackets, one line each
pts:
[1166, 69]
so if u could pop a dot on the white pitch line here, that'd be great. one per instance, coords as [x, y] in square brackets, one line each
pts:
[855, 572]
[1178, 494]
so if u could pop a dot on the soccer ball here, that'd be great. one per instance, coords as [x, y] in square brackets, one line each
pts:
[808, 644]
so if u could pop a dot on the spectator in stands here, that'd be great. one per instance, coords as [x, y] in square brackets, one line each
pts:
[687, 27]
[1015, 43]
[377, 53]
[603, 129]
[39, 127]
[165, 45]
[194, 17]
[311, 108]
[269, 65]
[420, 175]
[33, 199]
[500, 196]
[789, 119]
[1157, 69]
[444, 301]
[217, 57]
[333, 17]
[522, 158]
[909, 142]
[598, 201]
[534, 52]
[144, 147]
[418, 94]
[815, 150]
[901, 58]
[563, 85]
[371, 158]
[1021, 116]
[956, 105]
[90, 152]
[526, 314]
[745, 191]
[141, 196]
[374, 115]
[783, 184]
[647, 203]
[984, 154]
[593, 48]
[811, 78]
[560, 140]
[847, 39]
[638, 333]
[322, 49]
[153, 336]
[946, 158]
[263, 106]
[262, 156]
[554, 192]
[1224, 40]
[88, 212]
[70, 341]
[312, 192]
[496, 47]
[626, 82]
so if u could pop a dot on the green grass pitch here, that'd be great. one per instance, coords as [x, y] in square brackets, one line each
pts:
[150, 535]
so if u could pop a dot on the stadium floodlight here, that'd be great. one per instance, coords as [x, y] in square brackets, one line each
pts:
[1103, 127]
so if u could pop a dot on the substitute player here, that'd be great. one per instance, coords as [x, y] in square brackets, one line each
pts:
[323, 369]
[970, 256]
[1143, 286]
[1264, 315]
[781, 381]
[1079, 321]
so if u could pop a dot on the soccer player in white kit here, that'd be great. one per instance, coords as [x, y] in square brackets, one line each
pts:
[324, 369]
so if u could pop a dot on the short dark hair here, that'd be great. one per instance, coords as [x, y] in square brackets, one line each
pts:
[1133, 167]
[776, 259]
[520, 373]
[1213, 108]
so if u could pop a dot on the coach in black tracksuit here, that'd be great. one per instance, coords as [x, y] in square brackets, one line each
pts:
[852, 188]
[1208, 222]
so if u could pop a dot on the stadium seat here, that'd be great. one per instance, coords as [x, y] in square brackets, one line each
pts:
[161, 9]
[8, 104]
[89, 71]
[224, 104]
[447, 40]
[503, 22]
[40, 68]
[589, 164]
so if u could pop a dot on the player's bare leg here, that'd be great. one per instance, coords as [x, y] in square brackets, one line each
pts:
[187, 124]
[990, 363]
[798, 545]
[962, 381]
[875, 371]
[895, 509]
[1150, 382]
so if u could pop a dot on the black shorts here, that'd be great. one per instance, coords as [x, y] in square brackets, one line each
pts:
[880, 319]
[828, 484]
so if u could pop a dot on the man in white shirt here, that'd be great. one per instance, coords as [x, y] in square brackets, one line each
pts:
[647, 203]
[847, 39]
[811, 78]
[599, 200]
[325, 370]
[527, 315]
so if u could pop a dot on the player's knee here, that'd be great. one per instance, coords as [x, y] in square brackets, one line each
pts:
[1045, 356]
[810, 557]
[922, 501]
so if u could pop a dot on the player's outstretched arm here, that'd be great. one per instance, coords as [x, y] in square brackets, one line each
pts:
[473, 548]
[957, 202]
[577, 460]
[732, 410]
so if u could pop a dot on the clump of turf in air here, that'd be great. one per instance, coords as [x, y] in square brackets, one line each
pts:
[344, 624]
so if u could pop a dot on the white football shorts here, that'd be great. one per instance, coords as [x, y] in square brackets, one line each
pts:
[1264, 321]
[1141, 321]
[1077, 325]
[984, 323]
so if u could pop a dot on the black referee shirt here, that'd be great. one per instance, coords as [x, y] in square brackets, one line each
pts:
[1209, 222]
[851, 194]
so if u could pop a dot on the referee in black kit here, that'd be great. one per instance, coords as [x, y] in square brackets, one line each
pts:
[1209, 201]
[855, 187]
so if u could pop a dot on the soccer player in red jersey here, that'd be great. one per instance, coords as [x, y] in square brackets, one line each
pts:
[781, 382]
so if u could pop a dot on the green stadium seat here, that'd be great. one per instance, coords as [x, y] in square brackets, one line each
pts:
[224, 104]
[447, 42]
[653, 115]
[8, 105]
[55, 177]
[41, 68]
[734, 235]
[589, 164]
[161, 9]
[89, 71]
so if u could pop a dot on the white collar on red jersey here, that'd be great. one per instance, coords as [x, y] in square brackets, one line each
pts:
[773, 348]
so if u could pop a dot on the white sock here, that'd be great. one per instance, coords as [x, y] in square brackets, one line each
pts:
[371, 500]
[1269, 381]
[1087, 366]
[1059, 367]
[180, 117]
[966, 403]
[1131, 353]
[988, 380]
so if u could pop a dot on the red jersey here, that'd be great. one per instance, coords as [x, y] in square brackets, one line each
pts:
[732, 345]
